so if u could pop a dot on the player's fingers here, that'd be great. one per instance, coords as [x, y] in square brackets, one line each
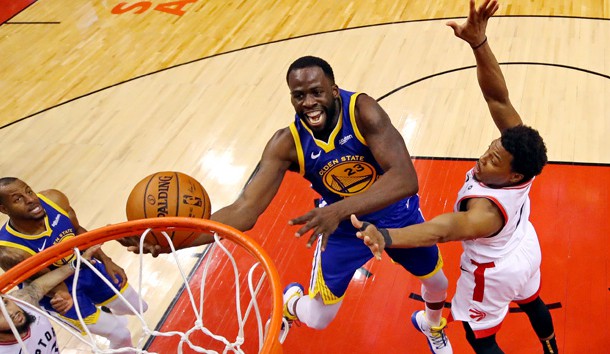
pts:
[355, 222]
[303, 230]
[123, 277]
[134, 249]
[155, 250]
[377, 252]
[495, 8]
[454, 26]
[312, 239]
[114, 278]
[472, 9]
[368, 241]
[324, 241]
[299, 220]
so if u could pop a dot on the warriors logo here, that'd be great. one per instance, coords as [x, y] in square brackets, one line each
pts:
[64, 236]
[349, 177]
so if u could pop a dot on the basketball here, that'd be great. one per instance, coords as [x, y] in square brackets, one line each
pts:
[168, 194]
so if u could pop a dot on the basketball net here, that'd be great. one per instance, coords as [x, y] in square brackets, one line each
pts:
[257, 308]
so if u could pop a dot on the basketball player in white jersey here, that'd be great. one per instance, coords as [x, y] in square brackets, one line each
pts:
[501, 258]
[34, 329]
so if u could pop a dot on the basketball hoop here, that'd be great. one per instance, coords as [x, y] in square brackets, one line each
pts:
[267, 329]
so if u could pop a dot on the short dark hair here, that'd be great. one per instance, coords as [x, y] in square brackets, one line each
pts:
[6, 181]
[527, 148]
[309, 61]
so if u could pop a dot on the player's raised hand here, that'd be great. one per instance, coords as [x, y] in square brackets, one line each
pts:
[323, 221]
[473, 30]
[132, 243]
[370, 235]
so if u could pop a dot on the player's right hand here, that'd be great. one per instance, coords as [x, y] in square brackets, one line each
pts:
[62, 302]
[370, 235]
[132, 243]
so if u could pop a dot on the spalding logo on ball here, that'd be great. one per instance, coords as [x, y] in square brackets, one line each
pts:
[169, 193]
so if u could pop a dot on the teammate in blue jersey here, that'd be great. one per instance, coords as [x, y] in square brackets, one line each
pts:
[345, 144]
[38, 221]
[34, 329]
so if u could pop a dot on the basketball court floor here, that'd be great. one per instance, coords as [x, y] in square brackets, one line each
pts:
[99, 94]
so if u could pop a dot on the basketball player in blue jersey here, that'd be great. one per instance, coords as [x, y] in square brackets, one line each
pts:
[38, 221]
[34, 329]
[501, 259]
[344, 144]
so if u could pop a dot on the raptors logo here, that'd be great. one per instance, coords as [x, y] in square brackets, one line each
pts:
[350, 177]
[477, 315]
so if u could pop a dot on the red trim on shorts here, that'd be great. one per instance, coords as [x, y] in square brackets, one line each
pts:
[529, 299]
[482, 333]
[479, 279]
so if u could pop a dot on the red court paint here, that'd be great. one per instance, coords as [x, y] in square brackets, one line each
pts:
[9, 8]
[569, 211]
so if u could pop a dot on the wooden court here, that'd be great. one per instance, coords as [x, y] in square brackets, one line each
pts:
[99, 94]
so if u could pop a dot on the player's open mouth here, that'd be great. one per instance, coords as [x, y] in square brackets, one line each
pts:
[37, 209]
[315, 118]
[18, 318]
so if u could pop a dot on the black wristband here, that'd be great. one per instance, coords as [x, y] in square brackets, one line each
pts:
[365, 224]
[480, 44]
[384, 232]
[386, 237]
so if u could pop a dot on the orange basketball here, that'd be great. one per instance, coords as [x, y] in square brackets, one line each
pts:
[168, 194]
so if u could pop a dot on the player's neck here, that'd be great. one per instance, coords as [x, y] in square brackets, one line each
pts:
[28, 226]
[10, 338]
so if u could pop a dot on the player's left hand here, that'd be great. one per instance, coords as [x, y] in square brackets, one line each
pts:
[62, 302]
[370, 235]
[473, 30]
[116, 272]
[323, 221]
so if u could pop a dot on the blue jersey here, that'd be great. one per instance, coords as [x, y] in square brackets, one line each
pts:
[58, 228]
[344, 166]
[91, 289]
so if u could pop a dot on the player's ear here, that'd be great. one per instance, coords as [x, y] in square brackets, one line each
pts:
[335, 91]
[516, 177]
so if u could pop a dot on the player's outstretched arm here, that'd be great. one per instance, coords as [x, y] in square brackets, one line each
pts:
[277, 157]
[489, 74]
[242, 214]
[37, 289]
[260, 189]
[482, 219]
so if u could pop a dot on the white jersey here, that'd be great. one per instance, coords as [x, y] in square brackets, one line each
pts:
[40, 338]
[514, 203]
[499, 269]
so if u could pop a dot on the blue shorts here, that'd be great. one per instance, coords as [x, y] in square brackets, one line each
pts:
[334, 268]
[91, 291]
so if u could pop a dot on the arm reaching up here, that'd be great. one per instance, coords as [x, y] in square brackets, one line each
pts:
[489, 74]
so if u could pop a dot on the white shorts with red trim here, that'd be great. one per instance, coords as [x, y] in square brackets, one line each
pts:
[485, 290]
